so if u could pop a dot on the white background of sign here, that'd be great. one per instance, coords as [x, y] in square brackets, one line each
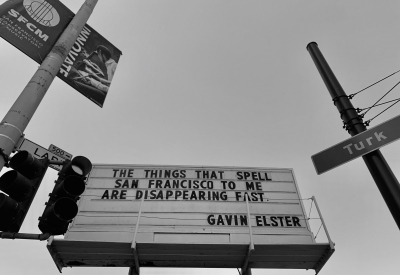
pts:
[228, 83]
[190, 204]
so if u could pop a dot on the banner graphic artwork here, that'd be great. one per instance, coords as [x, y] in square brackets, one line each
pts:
[33, 26]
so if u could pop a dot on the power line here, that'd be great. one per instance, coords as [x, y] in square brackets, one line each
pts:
[352, 95]
[381, 99]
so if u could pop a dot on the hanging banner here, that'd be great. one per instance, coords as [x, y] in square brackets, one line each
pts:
[33, 26]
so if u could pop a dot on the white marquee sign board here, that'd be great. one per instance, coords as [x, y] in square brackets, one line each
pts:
[190, 216]
[190, 205]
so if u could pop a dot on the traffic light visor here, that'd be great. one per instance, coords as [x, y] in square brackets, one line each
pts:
[81, 166]
[15, 185]
[26, 164]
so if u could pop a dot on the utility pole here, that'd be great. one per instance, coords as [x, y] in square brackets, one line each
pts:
[376, 163]
[14, 123]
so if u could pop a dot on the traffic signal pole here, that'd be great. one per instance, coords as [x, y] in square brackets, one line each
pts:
[382, 174]
[20, 114]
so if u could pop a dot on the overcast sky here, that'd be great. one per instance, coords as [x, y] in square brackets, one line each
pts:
[227, 83]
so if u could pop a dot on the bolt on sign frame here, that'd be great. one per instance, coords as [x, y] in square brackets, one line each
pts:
[191, 216]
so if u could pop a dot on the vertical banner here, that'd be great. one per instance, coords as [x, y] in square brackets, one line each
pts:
[90, 65]
[33, 26]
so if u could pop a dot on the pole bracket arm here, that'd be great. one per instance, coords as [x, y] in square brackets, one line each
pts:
[24, 236]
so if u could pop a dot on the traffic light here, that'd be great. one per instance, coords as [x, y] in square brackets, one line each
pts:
[20, 184]
[61, 207]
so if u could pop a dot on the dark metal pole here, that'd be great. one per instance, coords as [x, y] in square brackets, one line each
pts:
[376, 163]
[21, 112]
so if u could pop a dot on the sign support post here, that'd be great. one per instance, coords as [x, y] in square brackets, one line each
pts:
[383, 176]
[16, 120]
[245, 269]
[135, 270]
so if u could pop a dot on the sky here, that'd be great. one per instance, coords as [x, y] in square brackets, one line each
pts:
[228, 83]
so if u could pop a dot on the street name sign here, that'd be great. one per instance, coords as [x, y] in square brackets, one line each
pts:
[190, 216]
[357, 146]
[41, 152]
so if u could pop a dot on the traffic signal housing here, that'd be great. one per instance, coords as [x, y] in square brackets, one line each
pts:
[61, 207]
[21, 185]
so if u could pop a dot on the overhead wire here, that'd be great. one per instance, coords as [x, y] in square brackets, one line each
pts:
[369, 121]
[369, 108]
[359, 110]
[352, 95]
[362, 115]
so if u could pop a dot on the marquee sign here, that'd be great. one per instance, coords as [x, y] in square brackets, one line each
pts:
[194, 200]
[190, 216]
